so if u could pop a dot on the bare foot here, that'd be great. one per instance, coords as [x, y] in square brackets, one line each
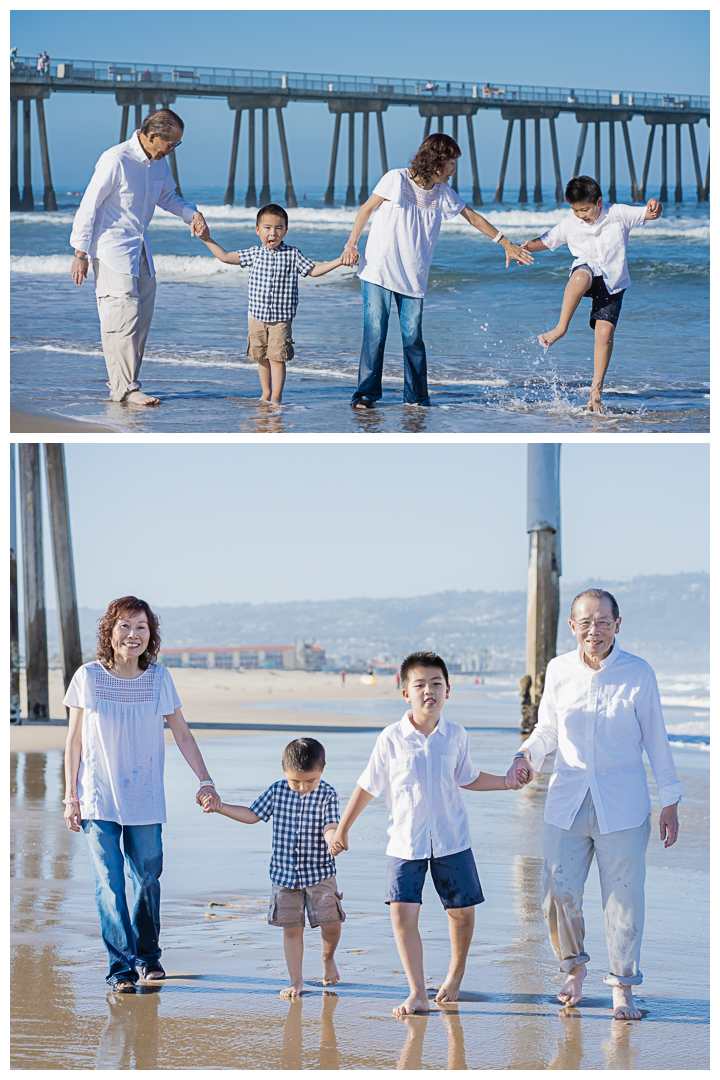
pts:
[551, 337]
[571, 992]
[595, 402]
[450, 989]
[276, 401]
[293, 991]
[136, 397]
[623, 1004]
[331, 975]
[264, 399]
[415, 1003]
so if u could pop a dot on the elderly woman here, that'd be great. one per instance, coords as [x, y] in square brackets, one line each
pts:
[114, 759]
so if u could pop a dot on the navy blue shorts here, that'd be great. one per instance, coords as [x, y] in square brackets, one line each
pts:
[605, 306]
[455, 878]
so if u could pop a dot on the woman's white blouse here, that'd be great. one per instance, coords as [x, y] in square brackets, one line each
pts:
[123, 744]
[404, 232]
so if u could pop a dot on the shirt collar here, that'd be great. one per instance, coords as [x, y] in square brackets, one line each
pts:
[407, 727]
[604, 210]
[137, 150]
[606, 663]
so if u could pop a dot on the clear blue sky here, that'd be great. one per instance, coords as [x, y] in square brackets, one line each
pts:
[200, 523]
[662, 51]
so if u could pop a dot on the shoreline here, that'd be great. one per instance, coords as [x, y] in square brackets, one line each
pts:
[28, 420]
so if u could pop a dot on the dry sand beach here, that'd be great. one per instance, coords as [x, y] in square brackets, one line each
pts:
[220, 1005]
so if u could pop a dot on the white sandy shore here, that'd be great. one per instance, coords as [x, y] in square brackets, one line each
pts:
[221, 698]
[26, 420]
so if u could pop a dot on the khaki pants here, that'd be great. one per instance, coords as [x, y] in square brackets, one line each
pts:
[270, 340]
[125, 306]
[621, 864]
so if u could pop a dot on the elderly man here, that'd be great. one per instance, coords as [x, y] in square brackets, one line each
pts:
[600, 708]
[110, 228]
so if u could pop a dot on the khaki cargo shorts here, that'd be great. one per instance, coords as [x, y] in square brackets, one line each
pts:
[321, 901]
[271, 340]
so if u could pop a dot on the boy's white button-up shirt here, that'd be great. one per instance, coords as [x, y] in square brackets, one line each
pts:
[601, 244]
[600, 722]
[112, 219]
[422, 777]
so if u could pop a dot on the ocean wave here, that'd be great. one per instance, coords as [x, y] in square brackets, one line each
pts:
[178, 267]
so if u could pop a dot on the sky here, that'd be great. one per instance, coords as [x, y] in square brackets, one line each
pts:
[659, 51]
[187, 524]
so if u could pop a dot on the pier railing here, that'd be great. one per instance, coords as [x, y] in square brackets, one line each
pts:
[185, 79]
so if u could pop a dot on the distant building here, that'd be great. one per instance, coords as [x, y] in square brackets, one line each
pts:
[302, 656]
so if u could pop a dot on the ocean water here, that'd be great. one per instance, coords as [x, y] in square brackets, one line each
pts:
[487, 371]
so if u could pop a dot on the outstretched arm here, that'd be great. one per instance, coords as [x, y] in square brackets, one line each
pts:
[361, 220]
[324, 268]
[357, 802]
[513, 779]
[534, 245]
[512, 251]
[213, 804]
[220, 253]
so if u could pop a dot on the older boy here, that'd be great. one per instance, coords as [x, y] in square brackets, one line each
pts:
[422, 761]
[597, 236]
[305, 811]
[273, 289]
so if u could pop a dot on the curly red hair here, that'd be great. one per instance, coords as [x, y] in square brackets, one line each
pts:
[433, 156]
[119, 609]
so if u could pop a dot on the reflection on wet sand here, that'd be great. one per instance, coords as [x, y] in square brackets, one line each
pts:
[220, 1005]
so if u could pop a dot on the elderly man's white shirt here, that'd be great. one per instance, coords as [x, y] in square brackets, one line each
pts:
[600, 722]
[112, 220]
[421, 777]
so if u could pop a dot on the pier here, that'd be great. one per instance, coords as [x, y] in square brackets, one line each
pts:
[443, 106]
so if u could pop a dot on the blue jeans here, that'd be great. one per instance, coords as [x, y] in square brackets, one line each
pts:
[128, 939]
[376, 304]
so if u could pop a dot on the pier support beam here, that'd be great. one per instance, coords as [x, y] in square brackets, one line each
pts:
[457, 163]
[251, 195]
[556, 162]
[265, 196]
[646, 166]
[696, 163]
[36, 660]
[580, 149]
[538, 197]
[49, 200]
[381, 142]
[631, 164]
[138, 117]
[350, 194]
[503, 165]
[678, 164]
[15, 201]
[330, 193]
[70, 647]
[365, 147]
[172, 161]
[597, 152]
[706, 186]
[612, 190]
[290, 199]
[522, 194]
[428, 122]
[124, 123]
[477, 194]
[229, 199]
[663, 164]
[27, 202]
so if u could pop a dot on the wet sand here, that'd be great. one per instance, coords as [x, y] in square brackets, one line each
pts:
[220, 1006]
[27, 420]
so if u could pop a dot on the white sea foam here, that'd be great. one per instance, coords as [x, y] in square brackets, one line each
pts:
[177, 267]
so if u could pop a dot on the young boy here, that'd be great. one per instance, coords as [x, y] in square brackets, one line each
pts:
[422, 762]
[305, 813]
[273, 289]
[597, 236]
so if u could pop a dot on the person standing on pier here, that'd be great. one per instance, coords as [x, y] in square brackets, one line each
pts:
[411, 205]
[110, 228]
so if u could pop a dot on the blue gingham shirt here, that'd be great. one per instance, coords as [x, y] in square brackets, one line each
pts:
[300, 856]
[273, 283]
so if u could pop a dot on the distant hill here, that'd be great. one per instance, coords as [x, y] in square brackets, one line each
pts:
[665, 620]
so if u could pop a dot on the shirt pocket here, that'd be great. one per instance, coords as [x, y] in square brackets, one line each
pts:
[612, 238]
[404, 785]
[621, 720]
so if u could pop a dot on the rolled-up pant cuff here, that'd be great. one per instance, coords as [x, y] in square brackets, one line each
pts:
[623, 980]
[120, 395]
[566, 966]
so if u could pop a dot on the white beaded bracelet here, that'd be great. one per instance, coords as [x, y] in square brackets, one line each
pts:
[498, 237]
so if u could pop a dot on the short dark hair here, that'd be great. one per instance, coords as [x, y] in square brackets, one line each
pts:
[422, 659]
[303, 756]
[120, 609]
[164, 123]
[275, 210]
[597, 594]
[433, 156]
[582, 189]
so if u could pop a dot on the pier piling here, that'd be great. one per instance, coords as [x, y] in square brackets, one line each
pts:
[329, 199]
[70, 647]
[364, 170]
[538, 197]
[597, 152]
[15, 200]
[522, 196]
[663, 165]
[229, 199]
[612, 190]
[457, 163]
[556, 162]
[631, 164]
[49, 200]
[36, 658]
[350, 195]
[27, 202]
[503, 165]
[251, 195]
[678, 164]
[646, 166]
[265, 196]
[580, 149]
[477, 194]
[381, 141]
[290, 199]
[124, 123]
[696, 163]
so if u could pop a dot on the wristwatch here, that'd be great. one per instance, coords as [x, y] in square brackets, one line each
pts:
[81, 255]
[500, 236]
[207, 783]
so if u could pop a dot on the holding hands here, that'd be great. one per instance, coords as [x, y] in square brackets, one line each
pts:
[350, 256]
[198, 226]
[209, 799]
[337, 842]
[520, 253]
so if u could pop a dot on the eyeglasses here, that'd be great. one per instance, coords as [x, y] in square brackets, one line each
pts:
[601, 624]
[172, 145]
